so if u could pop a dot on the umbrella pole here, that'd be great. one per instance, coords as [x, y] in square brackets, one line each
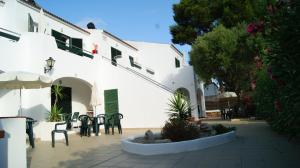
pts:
[20, 108]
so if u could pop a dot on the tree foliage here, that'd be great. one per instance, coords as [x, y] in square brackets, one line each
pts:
[196, 17]
[224, 54]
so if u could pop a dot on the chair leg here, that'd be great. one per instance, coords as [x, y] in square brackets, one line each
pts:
[106, 129]
[89, 131]
[113, 129]
[81, 131]
[67, 140]
[53, 138]
[120, 129]
[31, 139]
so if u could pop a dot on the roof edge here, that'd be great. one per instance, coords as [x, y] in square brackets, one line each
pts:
[53, 15]
[118, 39]
[176, 49]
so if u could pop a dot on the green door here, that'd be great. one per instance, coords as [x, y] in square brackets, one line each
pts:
[111, 101]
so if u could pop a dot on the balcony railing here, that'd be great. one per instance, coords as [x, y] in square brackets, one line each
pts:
[73, 49]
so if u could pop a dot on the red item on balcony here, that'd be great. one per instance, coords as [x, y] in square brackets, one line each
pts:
[94, 51]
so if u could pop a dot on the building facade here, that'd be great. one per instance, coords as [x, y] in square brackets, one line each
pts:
[136, 79]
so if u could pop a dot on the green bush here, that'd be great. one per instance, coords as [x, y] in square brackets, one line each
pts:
[221, 129]
[179, 130]
[277, 95]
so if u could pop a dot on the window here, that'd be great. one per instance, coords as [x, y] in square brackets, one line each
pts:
[76, 46]
[61, 40]
[65, 42]
[32, 26]
[114, 55]
[133, 63]
[177, 63]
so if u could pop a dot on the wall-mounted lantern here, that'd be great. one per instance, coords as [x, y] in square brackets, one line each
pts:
[49, 64]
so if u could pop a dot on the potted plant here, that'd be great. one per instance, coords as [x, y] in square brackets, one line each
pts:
[45, 127]
[54, 115]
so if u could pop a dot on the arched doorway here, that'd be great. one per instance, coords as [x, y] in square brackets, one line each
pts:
[76, 95]
[184, 92]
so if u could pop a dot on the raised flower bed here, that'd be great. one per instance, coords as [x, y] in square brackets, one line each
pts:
[130, 146]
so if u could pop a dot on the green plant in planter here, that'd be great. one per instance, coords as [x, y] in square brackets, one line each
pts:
[178, 128]
[54, 115]
[55, 112]
[179, 107]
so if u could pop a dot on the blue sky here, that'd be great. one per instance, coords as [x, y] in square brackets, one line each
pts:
[139, 20]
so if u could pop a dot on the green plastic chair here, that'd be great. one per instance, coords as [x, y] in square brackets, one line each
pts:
[112, 120]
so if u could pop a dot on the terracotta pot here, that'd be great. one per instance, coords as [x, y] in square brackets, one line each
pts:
[2, 133]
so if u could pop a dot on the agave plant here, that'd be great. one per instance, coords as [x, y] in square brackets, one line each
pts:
[54, 115]
[57, 91]
[55, 110]
[179, 107]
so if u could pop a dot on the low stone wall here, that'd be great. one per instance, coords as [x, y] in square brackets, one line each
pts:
[213, 114]
[176, 147]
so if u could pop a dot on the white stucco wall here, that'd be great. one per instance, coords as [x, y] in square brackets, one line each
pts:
[13, 145]
[142, 103]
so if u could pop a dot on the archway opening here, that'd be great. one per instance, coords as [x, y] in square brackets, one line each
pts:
[184, 92]
[76, 95]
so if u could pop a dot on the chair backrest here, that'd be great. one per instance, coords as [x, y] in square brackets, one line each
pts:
[115, 118]
[62, 124]
[84, 119]
[101, 119]
[75, 116]
[29, 123]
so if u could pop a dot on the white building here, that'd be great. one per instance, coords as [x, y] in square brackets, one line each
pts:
[211, 90]
[138, 84]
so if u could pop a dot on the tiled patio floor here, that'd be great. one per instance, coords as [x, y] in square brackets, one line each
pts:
[256, 146]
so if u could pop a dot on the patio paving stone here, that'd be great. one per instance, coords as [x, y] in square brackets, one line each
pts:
[256, 146]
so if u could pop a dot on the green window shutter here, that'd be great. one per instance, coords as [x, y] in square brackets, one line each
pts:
[111, 103]
[131, 61]
[9, 36]
[76, 45]
[60, 39]
[177, 63]
[114, 52]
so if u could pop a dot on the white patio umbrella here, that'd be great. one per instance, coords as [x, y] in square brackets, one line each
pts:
[228, 97]
[95, 97]
[23, 80]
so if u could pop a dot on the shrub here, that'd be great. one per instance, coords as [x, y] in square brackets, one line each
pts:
[221, 129]
[179, 130]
